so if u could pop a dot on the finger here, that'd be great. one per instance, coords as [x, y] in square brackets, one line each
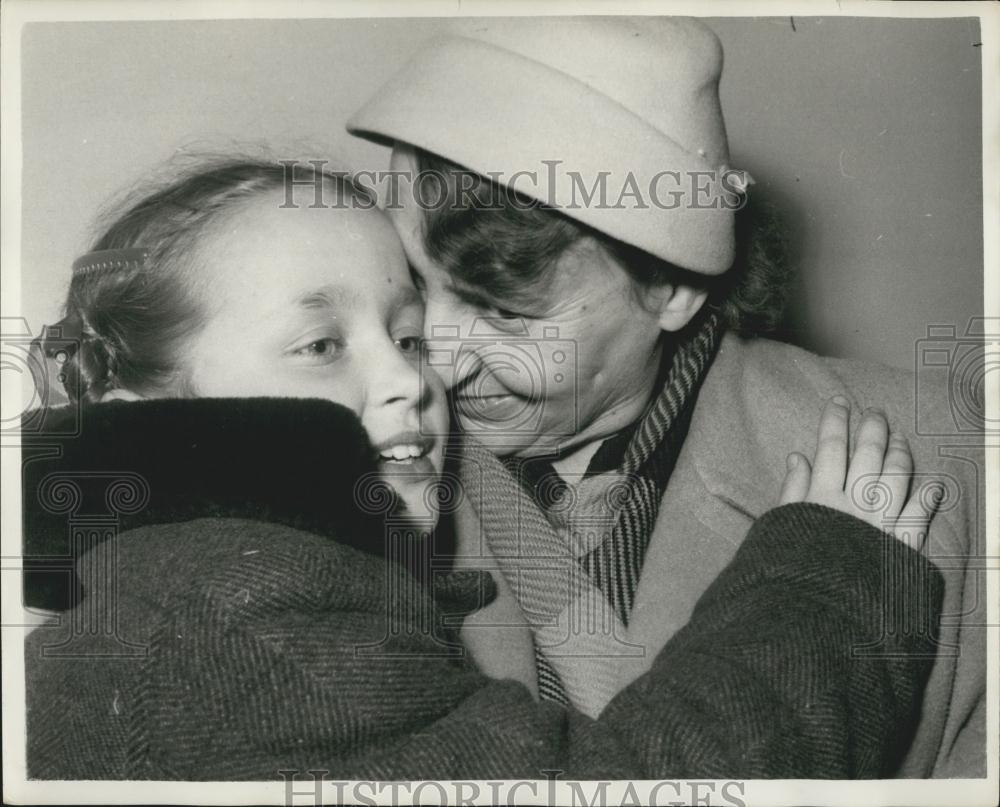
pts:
[865, 468]
[830, 465]
[797, 478]
[914, 522]
[897, 471]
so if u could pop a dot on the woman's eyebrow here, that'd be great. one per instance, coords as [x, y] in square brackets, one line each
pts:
[468, 294]
[475, 297]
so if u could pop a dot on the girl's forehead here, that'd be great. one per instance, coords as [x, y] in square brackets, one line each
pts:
[291, 249]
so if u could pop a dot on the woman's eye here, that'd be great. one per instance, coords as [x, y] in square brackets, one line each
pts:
[510, 321]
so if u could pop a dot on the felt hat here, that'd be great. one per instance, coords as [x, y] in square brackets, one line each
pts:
[614, 121]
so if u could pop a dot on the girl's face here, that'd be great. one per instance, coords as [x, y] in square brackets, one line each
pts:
[318, 303]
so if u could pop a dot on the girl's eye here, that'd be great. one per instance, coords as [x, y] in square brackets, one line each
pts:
[319, 351]
[409, 344]
[321, 347]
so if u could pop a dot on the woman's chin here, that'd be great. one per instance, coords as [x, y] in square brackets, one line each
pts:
[512, 443]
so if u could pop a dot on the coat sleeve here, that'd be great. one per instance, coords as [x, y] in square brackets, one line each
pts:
[806, 658]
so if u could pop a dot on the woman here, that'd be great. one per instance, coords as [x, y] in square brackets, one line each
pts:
[572, 190]
[248, 368]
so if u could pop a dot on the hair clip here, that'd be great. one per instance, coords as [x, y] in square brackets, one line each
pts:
[739, 180]
[110, 259]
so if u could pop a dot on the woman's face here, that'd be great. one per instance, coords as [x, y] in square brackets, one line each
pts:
[576, 366]
[318, 303]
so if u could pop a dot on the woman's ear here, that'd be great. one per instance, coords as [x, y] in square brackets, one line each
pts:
[676, 304]
[120, 395]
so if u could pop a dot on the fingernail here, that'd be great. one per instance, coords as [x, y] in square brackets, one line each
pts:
[840, 400]
[792, 461]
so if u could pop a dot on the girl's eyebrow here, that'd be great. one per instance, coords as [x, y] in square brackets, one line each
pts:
[339, 297]
[327, 297]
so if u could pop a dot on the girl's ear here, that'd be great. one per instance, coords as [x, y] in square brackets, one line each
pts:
[676, 304]
[120, 395]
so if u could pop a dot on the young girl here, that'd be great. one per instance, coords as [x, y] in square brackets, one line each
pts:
[248, 364]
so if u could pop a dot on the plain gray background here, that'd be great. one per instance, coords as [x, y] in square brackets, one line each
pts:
[864, 133]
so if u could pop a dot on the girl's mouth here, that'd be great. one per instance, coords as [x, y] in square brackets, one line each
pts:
[405, 456]
[404, 447]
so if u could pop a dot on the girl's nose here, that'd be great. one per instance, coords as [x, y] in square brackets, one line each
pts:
[397, 380]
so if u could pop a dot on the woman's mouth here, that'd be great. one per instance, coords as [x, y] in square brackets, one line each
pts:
[499, 410]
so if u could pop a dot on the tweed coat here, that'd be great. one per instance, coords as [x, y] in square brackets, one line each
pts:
[259, 629]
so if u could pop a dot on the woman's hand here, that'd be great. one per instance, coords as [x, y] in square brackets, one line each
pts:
[880, 469]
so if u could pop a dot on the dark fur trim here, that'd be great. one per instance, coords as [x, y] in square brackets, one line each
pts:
[288, 461]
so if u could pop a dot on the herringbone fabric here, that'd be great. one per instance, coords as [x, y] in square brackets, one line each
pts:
[574, 561]
[615, 565]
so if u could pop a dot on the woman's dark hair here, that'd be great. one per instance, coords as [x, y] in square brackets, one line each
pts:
[494, 238]
[132, 317]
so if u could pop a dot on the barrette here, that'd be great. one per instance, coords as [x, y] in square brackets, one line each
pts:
[739, 179]
[110, 259]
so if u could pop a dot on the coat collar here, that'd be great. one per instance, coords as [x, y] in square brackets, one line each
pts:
[287, 461]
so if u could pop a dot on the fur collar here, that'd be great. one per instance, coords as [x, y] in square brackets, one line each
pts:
[288, 461]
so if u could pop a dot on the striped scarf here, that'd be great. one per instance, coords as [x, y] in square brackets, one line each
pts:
[573, 550]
